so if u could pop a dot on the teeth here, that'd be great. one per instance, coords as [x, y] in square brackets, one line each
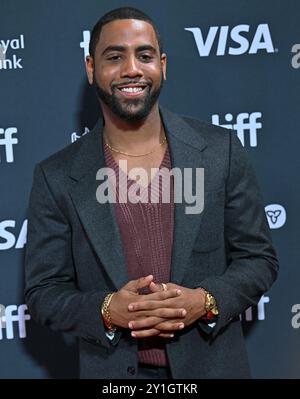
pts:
[132, 89]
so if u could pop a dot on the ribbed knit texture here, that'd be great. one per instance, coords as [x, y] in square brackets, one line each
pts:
[146, 231]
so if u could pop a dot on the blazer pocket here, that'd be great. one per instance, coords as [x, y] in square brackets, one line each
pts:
[211, 230]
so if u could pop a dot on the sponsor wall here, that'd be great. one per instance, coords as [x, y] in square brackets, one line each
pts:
[234, 64]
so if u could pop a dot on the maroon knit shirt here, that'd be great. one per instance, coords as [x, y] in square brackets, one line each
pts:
[146, 231]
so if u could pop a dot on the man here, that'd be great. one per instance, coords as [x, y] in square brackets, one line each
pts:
[151, 289]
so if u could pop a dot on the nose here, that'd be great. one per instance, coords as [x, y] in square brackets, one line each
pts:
[131, 67]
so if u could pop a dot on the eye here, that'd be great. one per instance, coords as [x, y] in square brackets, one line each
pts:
[114, 58]
[145, 57]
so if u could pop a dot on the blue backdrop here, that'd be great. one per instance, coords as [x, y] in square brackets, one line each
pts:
[233, 63]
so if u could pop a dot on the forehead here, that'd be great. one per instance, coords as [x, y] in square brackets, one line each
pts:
[128, 33]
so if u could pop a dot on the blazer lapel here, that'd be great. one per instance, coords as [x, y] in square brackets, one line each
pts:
[98, 220]
[186, 147]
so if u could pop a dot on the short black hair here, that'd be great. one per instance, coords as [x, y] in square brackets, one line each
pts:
[120, 13]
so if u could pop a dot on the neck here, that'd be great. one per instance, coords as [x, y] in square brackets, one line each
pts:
[135, 137]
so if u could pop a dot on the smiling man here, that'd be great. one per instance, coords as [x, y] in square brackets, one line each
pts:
[150, 290]
[128, 70]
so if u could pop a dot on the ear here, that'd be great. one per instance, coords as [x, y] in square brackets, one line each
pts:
[89, 66]
[163, 60]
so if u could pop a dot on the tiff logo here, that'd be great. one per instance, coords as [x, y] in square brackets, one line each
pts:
[245, 123]
[296, 58]
[259, 313]
[8, 141]
[8, 318]
[85, 43]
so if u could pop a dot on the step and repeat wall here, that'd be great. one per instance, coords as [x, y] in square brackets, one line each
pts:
[233, 63]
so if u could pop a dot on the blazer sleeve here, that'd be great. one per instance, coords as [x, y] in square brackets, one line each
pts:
[252, 263]
[50, 281]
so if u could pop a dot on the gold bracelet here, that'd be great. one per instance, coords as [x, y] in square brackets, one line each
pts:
[106, 314]
[210, 303]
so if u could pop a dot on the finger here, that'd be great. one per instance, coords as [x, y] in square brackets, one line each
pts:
[135, 285]
[170, 325]
[147, 322]
[162, 294]
[152, 301]
[158, 323]
[149, 332]
[166, 335]
[145, 333]
[166, 313]
[158, 287]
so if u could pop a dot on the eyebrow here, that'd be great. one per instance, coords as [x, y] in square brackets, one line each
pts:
[123, 48]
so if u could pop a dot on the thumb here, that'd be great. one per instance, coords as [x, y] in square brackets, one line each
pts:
[135, 285]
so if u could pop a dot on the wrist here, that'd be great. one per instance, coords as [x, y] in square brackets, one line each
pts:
[200, 301]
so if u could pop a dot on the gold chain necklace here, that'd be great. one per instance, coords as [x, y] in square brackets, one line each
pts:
[134, 155]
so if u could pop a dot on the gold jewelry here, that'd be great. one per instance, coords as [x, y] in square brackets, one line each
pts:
[165, 288]
[210, 303]
[106, 314]
[134, 155]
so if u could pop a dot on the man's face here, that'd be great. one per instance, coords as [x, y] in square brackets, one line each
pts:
[128, 70]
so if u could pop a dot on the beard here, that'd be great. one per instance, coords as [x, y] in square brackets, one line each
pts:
[131, 110]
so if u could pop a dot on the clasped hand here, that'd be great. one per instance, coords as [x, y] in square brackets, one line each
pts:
[159, 313]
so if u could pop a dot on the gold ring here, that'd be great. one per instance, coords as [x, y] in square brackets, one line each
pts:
[165, 288]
